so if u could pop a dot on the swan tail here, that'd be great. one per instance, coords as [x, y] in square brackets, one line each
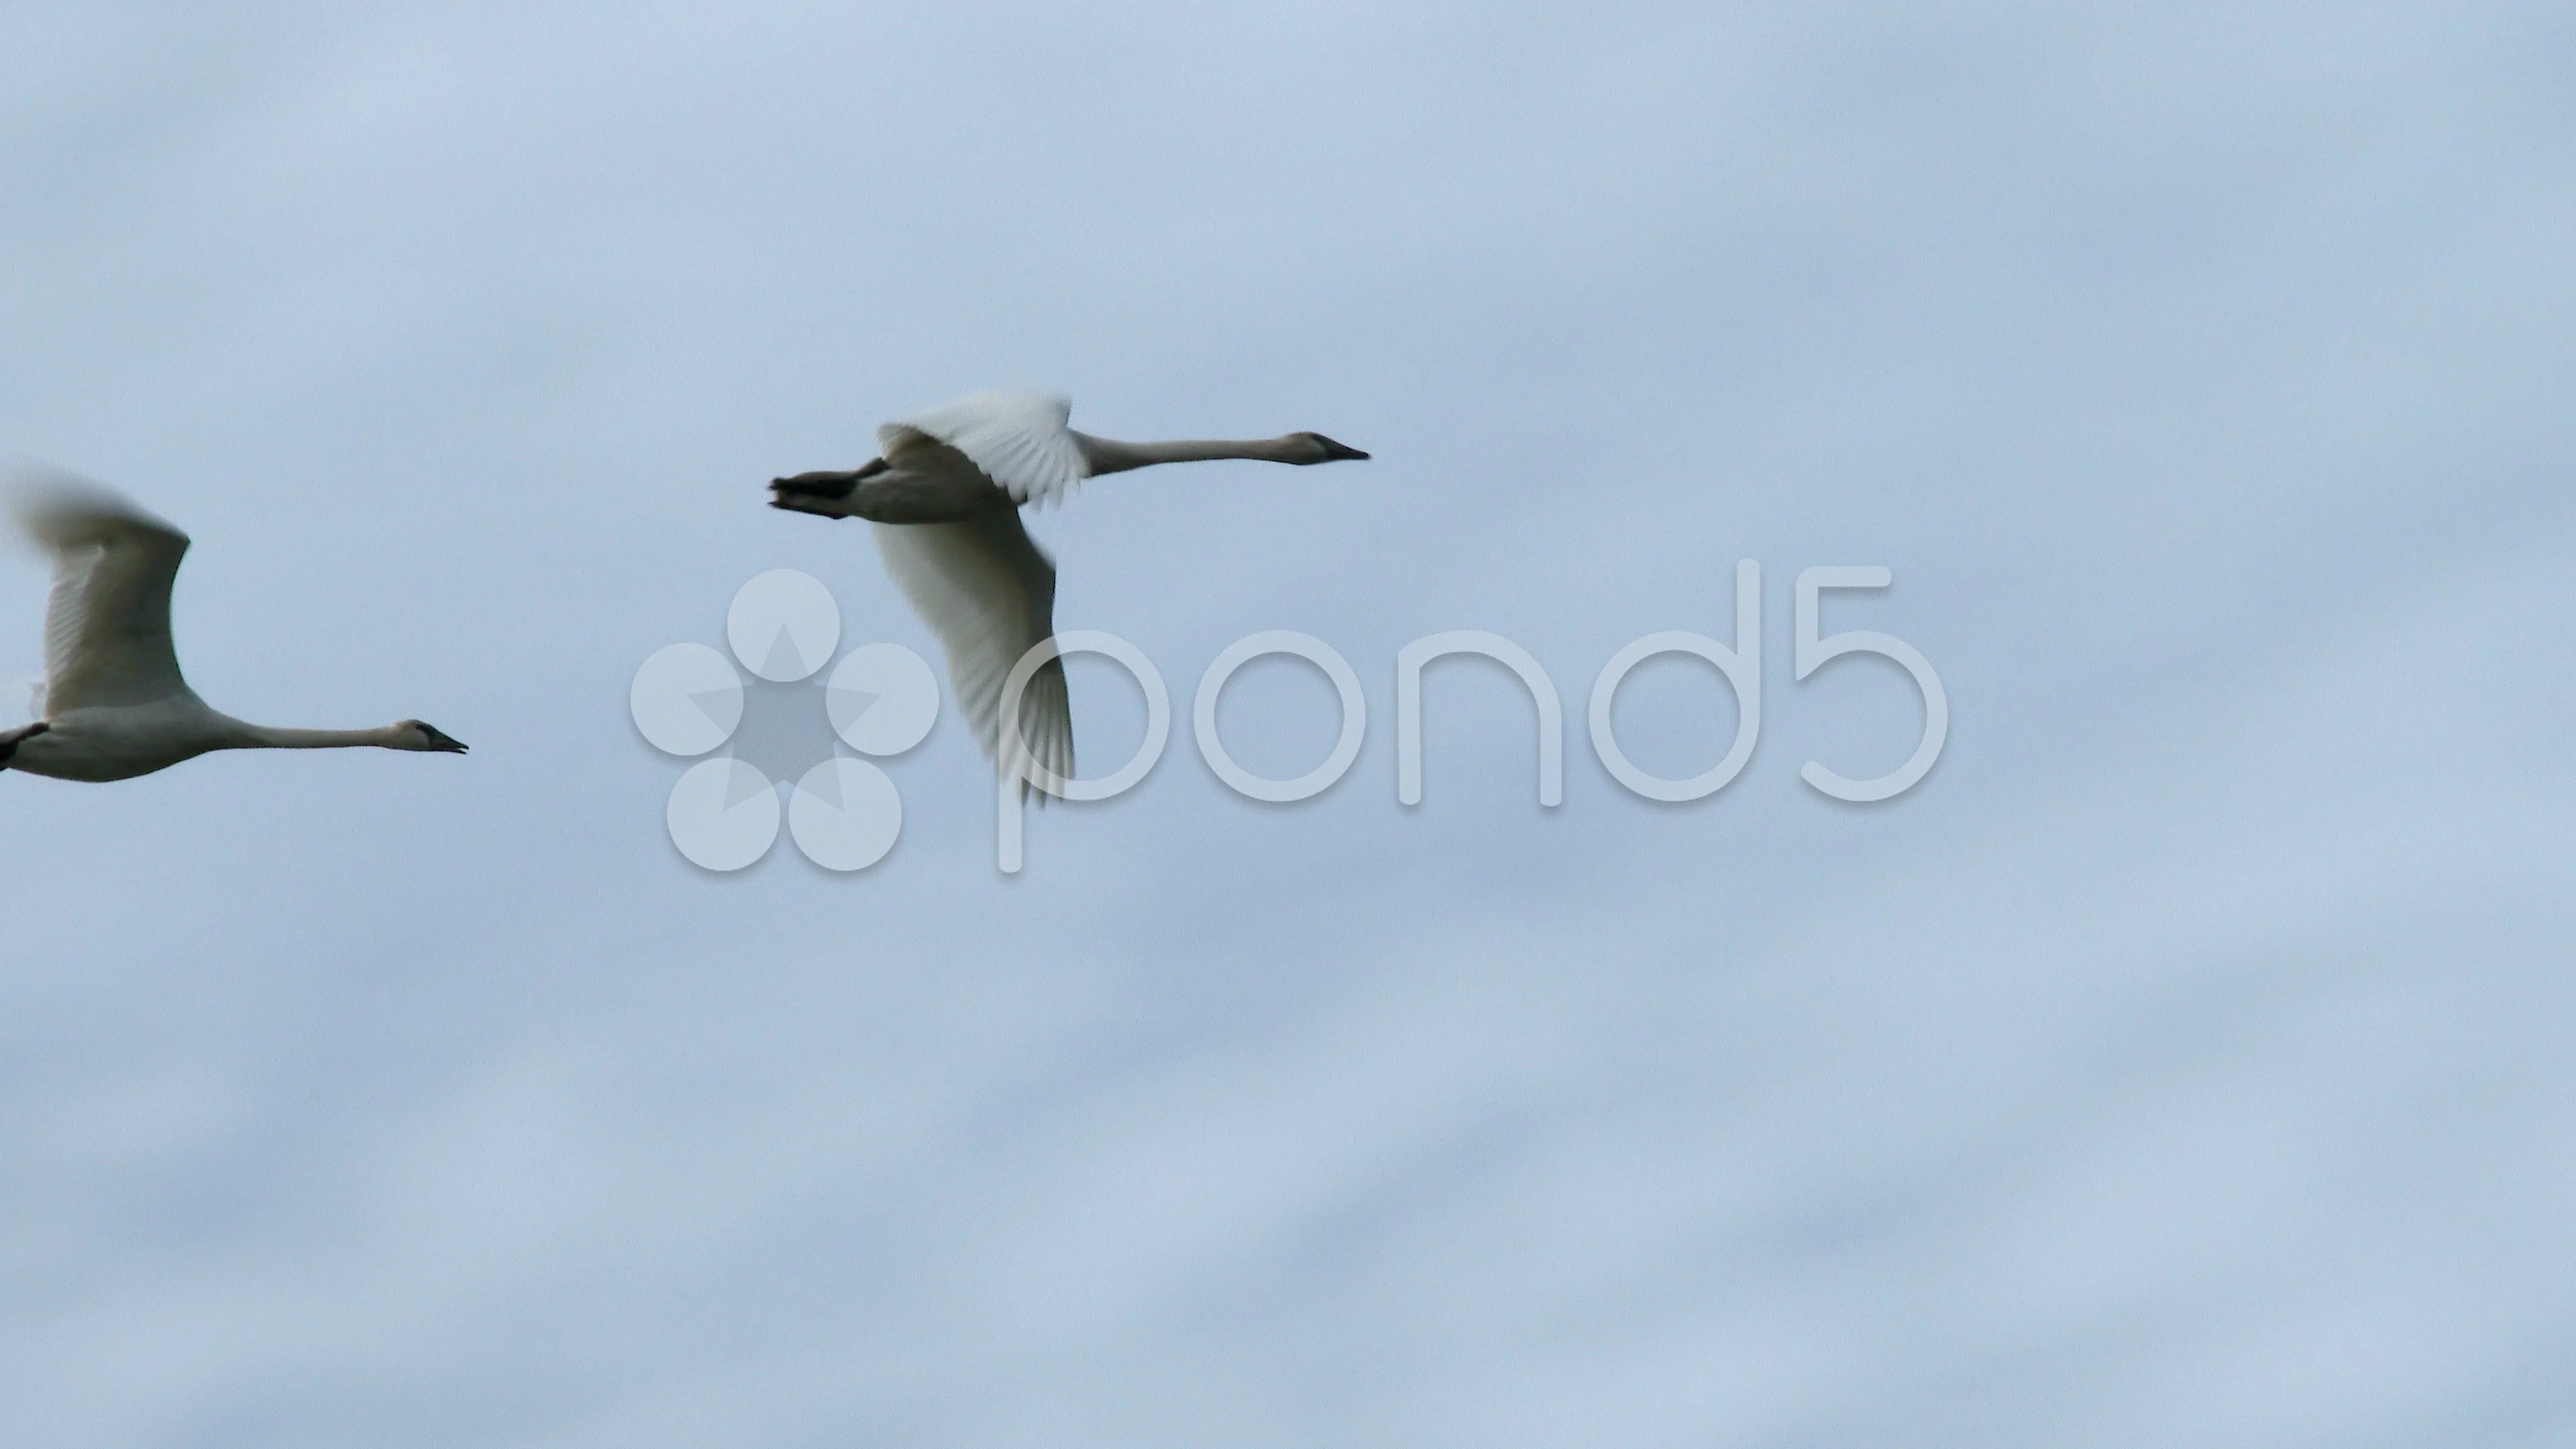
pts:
[826, 493]
[11, 739]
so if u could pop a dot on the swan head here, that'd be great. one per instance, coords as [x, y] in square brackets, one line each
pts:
[414, 734]
[1325, 450]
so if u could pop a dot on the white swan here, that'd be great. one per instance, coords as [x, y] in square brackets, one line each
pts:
[946, 498]
[115, 705]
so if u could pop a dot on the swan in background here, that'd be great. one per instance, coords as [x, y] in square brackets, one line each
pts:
[946, 497]
[115, 705]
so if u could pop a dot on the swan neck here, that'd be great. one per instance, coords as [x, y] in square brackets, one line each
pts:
[270, 737]
[1108, 455]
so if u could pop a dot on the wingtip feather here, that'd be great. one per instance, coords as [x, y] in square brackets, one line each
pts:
[57, 509]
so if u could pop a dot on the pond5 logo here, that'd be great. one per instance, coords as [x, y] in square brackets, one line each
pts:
[788, 722]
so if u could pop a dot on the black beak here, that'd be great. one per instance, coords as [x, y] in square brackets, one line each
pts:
[442, 743]
[1338, 452]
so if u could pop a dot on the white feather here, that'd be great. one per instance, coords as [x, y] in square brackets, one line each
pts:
[1019, 439]
[989, 594]
[107, 620]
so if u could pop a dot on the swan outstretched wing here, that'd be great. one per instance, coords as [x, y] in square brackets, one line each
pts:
[1019, 440]
[990, 595]
[107, 621]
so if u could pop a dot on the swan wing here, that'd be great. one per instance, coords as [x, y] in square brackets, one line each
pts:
[107, 621]
[989, 594]
[1019, 440]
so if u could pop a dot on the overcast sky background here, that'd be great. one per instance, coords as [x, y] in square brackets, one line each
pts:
[2186, 1061]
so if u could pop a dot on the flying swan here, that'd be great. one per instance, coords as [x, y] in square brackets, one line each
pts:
[115, 705]
[946, 497]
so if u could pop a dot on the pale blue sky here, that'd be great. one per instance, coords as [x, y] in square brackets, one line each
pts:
[2182, 1064]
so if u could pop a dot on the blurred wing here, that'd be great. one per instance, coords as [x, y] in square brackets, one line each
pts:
[1019, 440]
[989, 594]
[107, 621]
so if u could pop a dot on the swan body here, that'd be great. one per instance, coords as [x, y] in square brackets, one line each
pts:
[115, 703]
[945, 496]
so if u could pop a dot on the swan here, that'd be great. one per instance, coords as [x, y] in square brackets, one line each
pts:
[115, 705]
[945, 499]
